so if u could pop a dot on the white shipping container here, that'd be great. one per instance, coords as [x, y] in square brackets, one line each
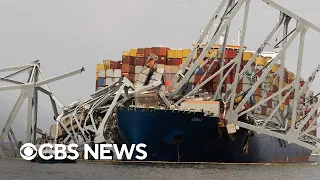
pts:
[175, 69]
[102, 73]
[265, 103]
[138, 69]
[211, 106]
[145, 71]
[109, 73]
[109, 81]
[168, 69]
[160, 66]
[117, 73]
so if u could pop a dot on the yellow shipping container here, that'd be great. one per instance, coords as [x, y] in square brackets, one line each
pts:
[246, 56]
[100, 67]
[261, 61]
[276, 83]
[133, 52]
[275, 68]
[282, 107]
[126, 53]
[185, 53]
[171, 53]
[184, 60]
[178, 53]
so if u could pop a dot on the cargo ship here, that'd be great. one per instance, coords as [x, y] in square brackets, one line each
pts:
[194, 136]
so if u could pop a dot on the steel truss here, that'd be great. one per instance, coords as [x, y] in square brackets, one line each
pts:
[85, 126]
[29, 90]
[276, 123]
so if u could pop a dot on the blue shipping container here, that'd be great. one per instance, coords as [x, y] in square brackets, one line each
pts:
[200, 71]
[101, 82]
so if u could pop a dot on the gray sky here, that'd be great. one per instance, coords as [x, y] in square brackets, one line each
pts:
[66, 35]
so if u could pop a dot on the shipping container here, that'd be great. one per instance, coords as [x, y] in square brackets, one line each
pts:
[101, 82]
[162, 60]
[125, 68]
[147, 51]
[260, 61]
[117, 73]
[185, 53]
[126, 53]
[133, 52]
[159, 51]
[126, 59]
[178, 53]
[109, 81]
[175, 69]
[109, 73]
[246, 56]
[230, 53]
[107, 64]
[100, 67]
[167, 69]
[140, 52]
[115, 64]
[102, 73]
[139, 61]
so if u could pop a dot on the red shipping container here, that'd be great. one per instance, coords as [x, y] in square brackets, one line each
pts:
[230, 53]
[239, 88]
[131, 77]
[263, 110]
[125, 68]
[131, 69]
[229, 79]
[139, 61]
[159, 51]
[125, 75]
[269, 103]
[285, 92]
[197, 79]
[258, 92]
[147, 51]
[177, 61]
[140, 52]
[115, 65]
[275, 88]
[170, 61]
[287, 101]
[162, 60]
[126, 59]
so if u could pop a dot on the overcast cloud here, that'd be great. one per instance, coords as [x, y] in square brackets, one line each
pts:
[66, 35]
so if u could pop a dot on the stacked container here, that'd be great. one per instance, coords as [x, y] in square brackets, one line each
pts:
[133, 66]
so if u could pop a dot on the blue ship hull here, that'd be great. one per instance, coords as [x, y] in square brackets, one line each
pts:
[192, 137]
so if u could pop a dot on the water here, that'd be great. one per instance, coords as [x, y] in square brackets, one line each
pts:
[14, 169]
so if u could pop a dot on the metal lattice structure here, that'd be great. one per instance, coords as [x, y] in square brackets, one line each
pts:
[95, 120]
[29, 90]
[271, 125]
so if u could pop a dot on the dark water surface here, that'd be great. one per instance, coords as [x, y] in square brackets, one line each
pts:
[14, 169]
